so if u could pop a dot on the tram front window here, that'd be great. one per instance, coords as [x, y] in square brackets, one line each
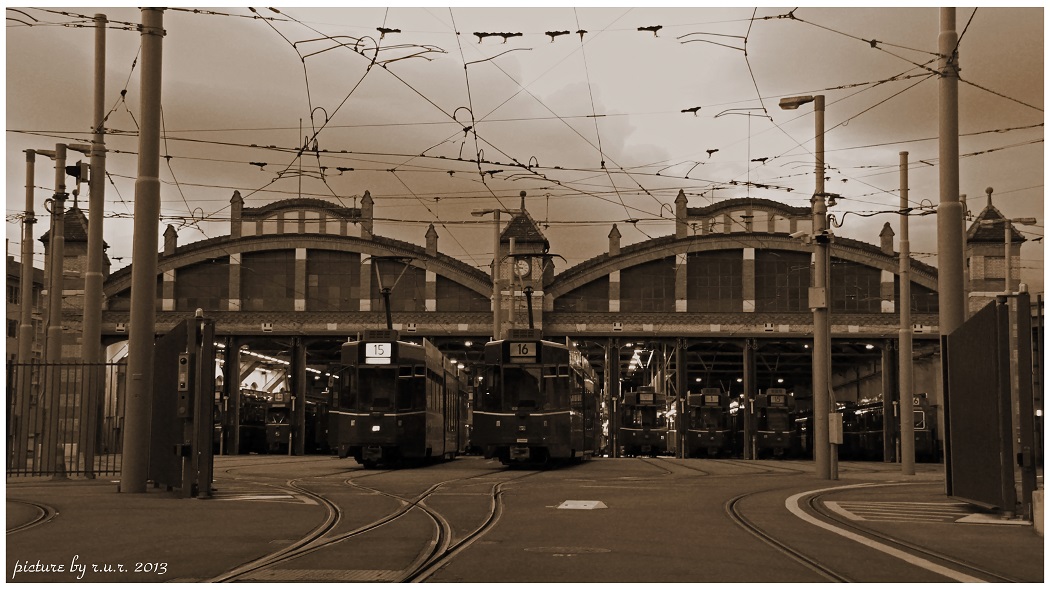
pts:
[521, 388]
[778, 421]
[376, 389]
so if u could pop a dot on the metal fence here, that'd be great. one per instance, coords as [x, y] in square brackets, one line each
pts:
[65, 419]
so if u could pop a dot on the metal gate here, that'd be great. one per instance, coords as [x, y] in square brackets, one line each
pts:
[64, 419]
[978, 465]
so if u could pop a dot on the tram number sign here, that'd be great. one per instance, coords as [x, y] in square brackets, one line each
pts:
[711, 399]
[378, 353]
[778, 400]
[523, 352]
[645, 398]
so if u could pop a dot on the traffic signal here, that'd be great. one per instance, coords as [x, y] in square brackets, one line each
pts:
[80, 171]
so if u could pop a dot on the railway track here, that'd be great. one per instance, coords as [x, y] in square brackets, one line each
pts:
[811, 507]
[736, 515]
[963, 570]
[438, 550]
[44, 515]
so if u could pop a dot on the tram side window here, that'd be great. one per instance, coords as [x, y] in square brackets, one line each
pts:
[557, 386]
[411, 388]
[487, 395]
[348, 391]
[521, 388]
[920, 419]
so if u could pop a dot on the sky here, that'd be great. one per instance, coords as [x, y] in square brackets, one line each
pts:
[601, 115]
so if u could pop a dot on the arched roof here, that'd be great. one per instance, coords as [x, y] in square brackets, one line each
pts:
[203, 250]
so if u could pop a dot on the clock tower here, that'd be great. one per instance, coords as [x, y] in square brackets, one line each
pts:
[525, 268]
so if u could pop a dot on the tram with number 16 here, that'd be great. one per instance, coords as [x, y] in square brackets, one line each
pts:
[536, 402]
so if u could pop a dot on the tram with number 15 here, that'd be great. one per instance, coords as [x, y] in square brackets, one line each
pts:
[397, 401]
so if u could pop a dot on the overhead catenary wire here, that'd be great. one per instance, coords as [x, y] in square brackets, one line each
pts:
[562, 175]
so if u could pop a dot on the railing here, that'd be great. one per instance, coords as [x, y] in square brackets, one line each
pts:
[64, 419]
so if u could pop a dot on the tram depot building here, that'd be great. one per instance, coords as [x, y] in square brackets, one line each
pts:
[302, 276]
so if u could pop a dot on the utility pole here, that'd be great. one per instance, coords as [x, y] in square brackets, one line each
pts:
[143, 316]
[25, 327]
[950, 288]
[53, 351]
[53, 460]
[91, 340]
[904, 345]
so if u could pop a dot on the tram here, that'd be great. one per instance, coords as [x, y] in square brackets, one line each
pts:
[864, 431]
[397, 401]
[709, 424]
[775, 424]
[644, 428]
[536, 402]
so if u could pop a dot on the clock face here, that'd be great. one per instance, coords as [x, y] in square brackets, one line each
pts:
[522, 267]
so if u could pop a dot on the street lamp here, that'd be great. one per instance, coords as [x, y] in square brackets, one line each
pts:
[497, 303]
[818, 296]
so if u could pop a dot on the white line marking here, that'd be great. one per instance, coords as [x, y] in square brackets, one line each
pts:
[834, 506]
[792, 504]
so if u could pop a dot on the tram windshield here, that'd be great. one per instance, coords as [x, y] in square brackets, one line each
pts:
[705, 418]
[778, 421]
[641, 416]
[522, 388]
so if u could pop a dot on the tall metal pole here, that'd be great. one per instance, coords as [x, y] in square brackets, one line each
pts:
[905, 345]
[612, 369]
[25, 326]
[950, 288]
[144, 262]
[497, 295]
[1007, 246]
[91, 349]
[966, 264]
[53, 347]
[56, 259]
[821, 332]
[91, 343]
[682, 385]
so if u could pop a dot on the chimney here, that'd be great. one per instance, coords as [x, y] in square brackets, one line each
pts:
[886, 239]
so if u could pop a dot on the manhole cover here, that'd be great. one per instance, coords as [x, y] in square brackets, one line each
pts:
[567, 550]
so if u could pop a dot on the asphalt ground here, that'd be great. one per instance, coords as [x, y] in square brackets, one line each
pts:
[607, 520]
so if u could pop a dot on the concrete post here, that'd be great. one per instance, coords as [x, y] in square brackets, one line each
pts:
[25, 326]
[52, 453]
[907, 386]
[950, 288]
[144, 262]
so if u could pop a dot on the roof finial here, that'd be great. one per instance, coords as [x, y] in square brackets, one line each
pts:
[989, 191]
[522, 200]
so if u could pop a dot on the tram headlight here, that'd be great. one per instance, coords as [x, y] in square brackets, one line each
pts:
[375, 428]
